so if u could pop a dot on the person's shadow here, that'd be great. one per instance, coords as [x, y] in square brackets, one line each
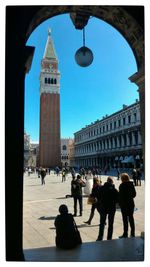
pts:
[47, 218]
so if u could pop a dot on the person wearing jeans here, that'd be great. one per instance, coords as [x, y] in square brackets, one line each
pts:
[106, 206]
[76, 191]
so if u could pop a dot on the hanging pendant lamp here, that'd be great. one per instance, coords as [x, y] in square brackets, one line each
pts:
[84, 56]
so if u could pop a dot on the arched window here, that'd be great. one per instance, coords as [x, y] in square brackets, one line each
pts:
[64, 147]
[52, 81]
[55, 81]
[49, 80]
[45, 80]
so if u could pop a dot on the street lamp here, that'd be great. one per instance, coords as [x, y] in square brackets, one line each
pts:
[84, 56]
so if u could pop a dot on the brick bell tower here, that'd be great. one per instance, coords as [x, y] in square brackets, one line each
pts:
[49, 148]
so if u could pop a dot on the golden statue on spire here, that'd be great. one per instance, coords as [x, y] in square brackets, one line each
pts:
[49, 31]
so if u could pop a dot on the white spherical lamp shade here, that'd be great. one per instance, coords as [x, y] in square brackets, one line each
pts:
[84, 56]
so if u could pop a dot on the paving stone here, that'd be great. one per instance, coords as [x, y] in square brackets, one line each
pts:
[40, 208]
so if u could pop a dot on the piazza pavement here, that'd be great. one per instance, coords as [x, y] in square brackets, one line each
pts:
[40, 208]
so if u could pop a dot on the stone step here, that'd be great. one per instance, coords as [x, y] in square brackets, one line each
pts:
[125, 249]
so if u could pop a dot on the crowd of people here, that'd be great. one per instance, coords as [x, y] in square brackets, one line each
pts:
[103, 197]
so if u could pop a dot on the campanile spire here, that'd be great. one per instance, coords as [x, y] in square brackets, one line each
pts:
[49, 52]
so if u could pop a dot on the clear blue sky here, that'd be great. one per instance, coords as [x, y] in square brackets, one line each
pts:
[86, 94]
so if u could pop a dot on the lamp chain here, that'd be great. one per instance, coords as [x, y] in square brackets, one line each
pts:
[83, 36]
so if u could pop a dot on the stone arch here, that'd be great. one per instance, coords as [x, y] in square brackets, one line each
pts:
[120, 17]
[20, 22]
[117, 16]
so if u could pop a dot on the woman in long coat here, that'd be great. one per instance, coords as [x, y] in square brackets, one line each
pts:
[127, 194]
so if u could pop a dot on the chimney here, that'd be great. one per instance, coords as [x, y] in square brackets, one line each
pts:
[124, 106]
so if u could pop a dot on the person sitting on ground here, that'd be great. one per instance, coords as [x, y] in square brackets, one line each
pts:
[67, 234]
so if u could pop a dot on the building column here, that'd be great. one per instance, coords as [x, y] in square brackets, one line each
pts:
[110, 144]
[117, 141]
[127, 137]
[18, 62]
[95, 147]
[98, 146]
[113, 140]
[87, 148]
[133, 138]
[139, 79]
[139, 138]
[102, 146]
[122, 140]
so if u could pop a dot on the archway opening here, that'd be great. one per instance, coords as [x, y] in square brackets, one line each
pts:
[20, 22]
[94, 92]
[107, 44]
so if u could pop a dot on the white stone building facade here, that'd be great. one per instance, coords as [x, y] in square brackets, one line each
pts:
[27, 147]
[65, 151]
[31, 152]
[113, 141]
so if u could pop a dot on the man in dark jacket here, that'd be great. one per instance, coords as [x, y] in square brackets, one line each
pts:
[106, 205]
[127, 194]
[76, 192]
[43, 174]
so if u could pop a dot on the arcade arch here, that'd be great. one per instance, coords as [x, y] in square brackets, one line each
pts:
[21, 21]
[120, 17]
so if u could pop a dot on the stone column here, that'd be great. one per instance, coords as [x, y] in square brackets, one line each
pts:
[113, 142]
[90, 148]
[18, 60]
[105, 144]
[110, 144]
[127, 136]
[102, 145]
[139, 79]
[139, 138]
[117, 141]
[122, 140]
[99, 147]
[87, 148]
[95, 146]
[133, 138]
